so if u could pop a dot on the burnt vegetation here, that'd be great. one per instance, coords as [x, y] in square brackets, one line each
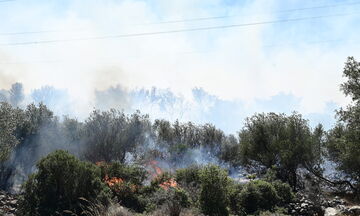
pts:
[113, 163]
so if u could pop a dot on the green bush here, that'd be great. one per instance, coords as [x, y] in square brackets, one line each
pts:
[284, 192]
[258, 195]
[234, 198]
[249, 198]
[269, 197]
[189, 175]
[172, 200]
[59, 183]
[130, 196]
[214, 190]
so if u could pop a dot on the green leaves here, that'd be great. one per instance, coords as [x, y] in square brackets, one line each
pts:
[282, 141]
[214, 191]
[343, 141]
[59, 183]
[8, 123]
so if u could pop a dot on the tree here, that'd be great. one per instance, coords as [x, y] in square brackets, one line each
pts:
[280, 141]
[16, 94]
[8, 123]
[343, 141]
[109, 135]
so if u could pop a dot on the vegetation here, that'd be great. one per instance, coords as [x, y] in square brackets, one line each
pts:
[214, 190]
[344, 139]
[280, 141]
[115, 160]
[59, 184]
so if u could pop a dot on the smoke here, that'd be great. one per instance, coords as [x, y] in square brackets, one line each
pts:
[252, 63]
[57, 100]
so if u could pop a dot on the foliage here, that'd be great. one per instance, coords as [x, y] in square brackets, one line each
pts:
[172, 200]
[234, 198]
[284, 192]
[343, 140]
[8, 123]
[189, 175]
[258, 195]
[129, 173]
[16, 94]
[99, 209]
[108, 136]
[188, 135]
[214, 190]
[59, 183]
[230, 151]
[284, 142]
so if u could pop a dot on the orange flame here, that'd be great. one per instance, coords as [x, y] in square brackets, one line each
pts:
[170, 183]
[157, 172]
[100, 163]
[113, 181]
[156, 169]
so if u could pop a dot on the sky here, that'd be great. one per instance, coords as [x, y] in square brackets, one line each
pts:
[216, 61]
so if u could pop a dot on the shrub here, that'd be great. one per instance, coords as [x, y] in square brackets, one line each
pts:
[214, 190]
[172, 200]
[59, 183]
[129, 173]
[249, 198]
[284, 192]
[269, 197]
[189, 175]
[112, 209]
[258, 195]
[126, 183]
[234, 199]
[189, 179]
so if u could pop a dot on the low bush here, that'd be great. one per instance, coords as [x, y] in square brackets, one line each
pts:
[258, 195]
[189, 175]
[269, 197]
[214, 190]
[284, 192]
[171, 201]
[58, 184]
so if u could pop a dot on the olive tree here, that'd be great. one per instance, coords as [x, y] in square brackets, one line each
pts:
[344, 139]
[284, 142]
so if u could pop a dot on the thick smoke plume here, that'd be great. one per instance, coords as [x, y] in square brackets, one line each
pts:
[107, 135]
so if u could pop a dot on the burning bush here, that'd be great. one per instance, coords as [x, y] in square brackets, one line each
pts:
[59, 183]
[128, 173]
[126, 183]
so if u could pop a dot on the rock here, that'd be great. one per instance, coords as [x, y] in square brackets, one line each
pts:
[304, 205]
[355, 210]
[13, 202]
[330, 211]
[8, 204]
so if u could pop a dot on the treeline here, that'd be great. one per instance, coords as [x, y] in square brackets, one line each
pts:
[283, 145]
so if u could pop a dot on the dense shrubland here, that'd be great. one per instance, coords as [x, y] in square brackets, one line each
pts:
[105, 162]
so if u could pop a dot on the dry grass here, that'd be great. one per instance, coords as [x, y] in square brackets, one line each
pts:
[113, 209]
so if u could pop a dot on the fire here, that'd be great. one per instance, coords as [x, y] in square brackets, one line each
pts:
[156, 172]
[100, 163]
[113, 181]
[167, 184]
[156, 169]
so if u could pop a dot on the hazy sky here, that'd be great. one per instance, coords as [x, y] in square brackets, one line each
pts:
[288, 56]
